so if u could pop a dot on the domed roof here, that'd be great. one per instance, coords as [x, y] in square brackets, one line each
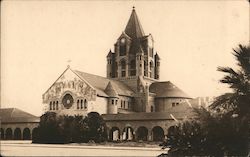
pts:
[167, 90]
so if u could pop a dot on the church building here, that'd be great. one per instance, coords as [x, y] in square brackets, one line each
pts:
[131, 94]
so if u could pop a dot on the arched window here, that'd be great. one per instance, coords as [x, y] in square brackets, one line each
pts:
[123, 64]
[50, 105]
[77, 104]
[85, 104]
[132, 68]
[81, 104]
[56, 105]
[53, 105]
[145, 68]
[151, 65]
[123, 67]
[132, 64]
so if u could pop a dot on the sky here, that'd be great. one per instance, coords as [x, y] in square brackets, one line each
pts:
[192, 39]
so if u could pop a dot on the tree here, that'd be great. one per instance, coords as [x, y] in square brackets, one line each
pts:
[237, 102]
[65, 129]
[223, 128]
[96, 127]
[48, 129]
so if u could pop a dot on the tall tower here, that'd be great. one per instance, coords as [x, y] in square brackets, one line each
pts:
[134, 61]
[134, 53]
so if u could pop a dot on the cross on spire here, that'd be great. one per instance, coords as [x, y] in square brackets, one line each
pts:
[69, 61]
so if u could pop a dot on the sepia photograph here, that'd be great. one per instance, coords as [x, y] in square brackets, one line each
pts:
[144, 78]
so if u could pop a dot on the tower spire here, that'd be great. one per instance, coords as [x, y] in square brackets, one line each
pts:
[134, 28]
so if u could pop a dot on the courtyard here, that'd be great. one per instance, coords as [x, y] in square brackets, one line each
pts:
[26, 148]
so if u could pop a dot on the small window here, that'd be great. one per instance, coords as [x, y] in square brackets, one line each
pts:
[81, 104]
[50, 105]
[116, 102]
[53, 105]
[152, 109]
[85, 104]
[112, 101]
[56, 105]
[77, 104]
[173, 104]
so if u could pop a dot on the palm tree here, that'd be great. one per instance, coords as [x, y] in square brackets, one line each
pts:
[238, 102]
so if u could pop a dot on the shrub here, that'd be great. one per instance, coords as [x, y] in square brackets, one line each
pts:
[66, 129]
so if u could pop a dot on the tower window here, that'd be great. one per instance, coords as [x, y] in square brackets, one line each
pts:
[151, 65]
[122, 50]
[132, 72]
[112, 102]
[132, 64]
[123, 73]
[123, 64]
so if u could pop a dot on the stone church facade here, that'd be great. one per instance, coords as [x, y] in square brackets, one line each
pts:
[131, 98]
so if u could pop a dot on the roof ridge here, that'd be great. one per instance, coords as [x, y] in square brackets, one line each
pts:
[12, 112]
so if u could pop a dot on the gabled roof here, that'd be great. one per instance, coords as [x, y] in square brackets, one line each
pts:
[134, 28]
[167, 90]
[100, 83]
[14, 115]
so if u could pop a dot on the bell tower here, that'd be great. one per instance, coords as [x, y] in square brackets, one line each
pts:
[134, 61]
[133, 53]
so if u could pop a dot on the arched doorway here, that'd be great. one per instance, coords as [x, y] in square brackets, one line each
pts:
[17, 134]
[26, 134]
[35, 134]
[2, 133]
[114, 134]
[142, 133]
[158, 134]
[8, 134]
[128, 134]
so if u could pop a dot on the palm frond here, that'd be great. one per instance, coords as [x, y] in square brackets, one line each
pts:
[225, 101]
[242, 55]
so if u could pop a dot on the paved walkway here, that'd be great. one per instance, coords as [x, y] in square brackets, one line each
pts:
[17, 148]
